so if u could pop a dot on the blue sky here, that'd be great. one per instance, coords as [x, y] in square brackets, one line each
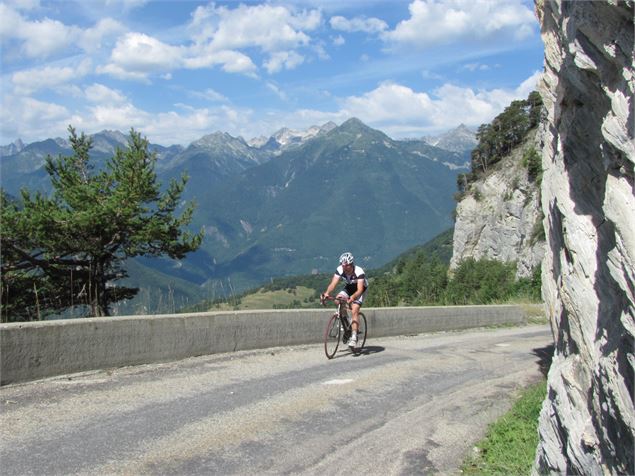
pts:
[177, 70]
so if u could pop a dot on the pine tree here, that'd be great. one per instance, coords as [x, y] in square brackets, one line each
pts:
[69, 249]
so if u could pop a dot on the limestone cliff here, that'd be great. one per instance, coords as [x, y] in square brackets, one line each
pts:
[587, 424]
[499, 216]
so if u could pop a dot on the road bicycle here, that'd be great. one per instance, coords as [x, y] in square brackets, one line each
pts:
[339, 328]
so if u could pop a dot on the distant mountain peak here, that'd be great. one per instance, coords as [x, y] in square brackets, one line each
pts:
[216, 139]
[12, 148]
[287, 137]
[117, 135]
[353, 122]
[460, 139]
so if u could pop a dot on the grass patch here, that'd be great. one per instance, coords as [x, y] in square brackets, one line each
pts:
[509, 448]
[292, 298]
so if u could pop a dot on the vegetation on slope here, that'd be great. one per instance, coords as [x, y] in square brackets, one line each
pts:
[498, 138]
[418, 277]
[510, 444]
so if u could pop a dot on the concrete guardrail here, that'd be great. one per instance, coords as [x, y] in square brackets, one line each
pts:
[34, 350]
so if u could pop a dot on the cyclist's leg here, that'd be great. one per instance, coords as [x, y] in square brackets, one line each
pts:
[355, 316]
[342, 294]
[347, 329]
[355, 307]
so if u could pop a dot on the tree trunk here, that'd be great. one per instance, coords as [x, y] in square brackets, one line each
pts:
[98, 296]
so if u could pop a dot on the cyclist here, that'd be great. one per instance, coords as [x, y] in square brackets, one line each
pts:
[354, 290]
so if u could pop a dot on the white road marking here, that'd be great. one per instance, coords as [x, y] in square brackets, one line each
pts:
[338, 381]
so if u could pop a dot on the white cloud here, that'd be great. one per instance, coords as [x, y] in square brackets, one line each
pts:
[277, 91]
[230, 61]
[399, 110]
[98, 93]
[389, 102]
[475, 67]
[115, 116]
[402, 112]
[125, 5]
[434, 22]
[529, 85]
[33, 120]
[339, 40]
[173, 128]
[46, 37]
[30, 119]
[137, 53]
[28, 81]
[277, 31]
[283, 60]
[118, 72]
[91, 39]
[271, 28]
[367, 25]
[209, 95]
[36, 39]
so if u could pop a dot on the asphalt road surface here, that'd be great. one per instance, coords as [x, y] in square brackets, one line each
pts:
[406, 405]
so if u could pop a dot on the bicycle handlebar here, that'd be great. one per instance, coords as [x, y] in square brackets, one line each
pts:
[341, 300]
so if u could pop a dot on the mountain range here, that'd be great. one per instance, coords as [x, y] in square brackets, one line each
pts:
[284, 205]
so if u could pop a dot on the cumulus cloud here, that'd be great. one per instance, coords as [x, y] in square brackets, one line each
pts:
[98, 93]
[400, 110]
[107, 108]
[35, 39]
[92, 39]
[339, 40]
[220, 37]
[277, 31]
[283, 60]
[28, 118]
[43, 38]
[434, 22]
[230, 61]
[367, 25]
[389, 101]
[28, 81]
[137, 53]
[269, 27]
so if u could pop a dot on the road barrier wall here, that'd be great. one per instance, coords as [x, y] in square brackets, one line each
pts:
[34, 350]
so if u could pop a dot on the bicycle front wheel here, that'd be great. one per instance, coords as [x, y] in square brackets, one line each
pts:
[332, 336]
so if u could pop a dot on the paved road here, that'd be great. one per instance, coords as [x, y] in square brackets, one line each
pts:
[408, 405]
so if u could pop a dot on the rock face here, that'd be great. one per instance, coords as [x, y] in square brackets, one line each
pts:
[499, 218]
[587, 423]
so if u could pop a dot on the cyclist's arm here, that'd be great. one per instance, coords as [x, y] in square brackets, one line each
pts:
[332, 285]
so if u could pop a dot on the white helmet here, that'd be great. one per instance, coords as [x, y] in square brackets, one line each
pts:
[346, 258]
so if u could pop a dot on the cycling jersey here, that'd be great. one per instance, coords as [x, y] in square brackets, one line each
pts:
[351, 280]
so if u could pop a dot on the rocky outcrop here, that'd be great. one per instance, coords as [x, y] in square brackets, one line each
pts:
[587, 423]
[499, 217]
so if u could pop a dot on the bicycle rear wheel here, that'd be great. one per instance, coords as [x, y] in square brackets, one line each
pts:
[362, 333]
[332, 336]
